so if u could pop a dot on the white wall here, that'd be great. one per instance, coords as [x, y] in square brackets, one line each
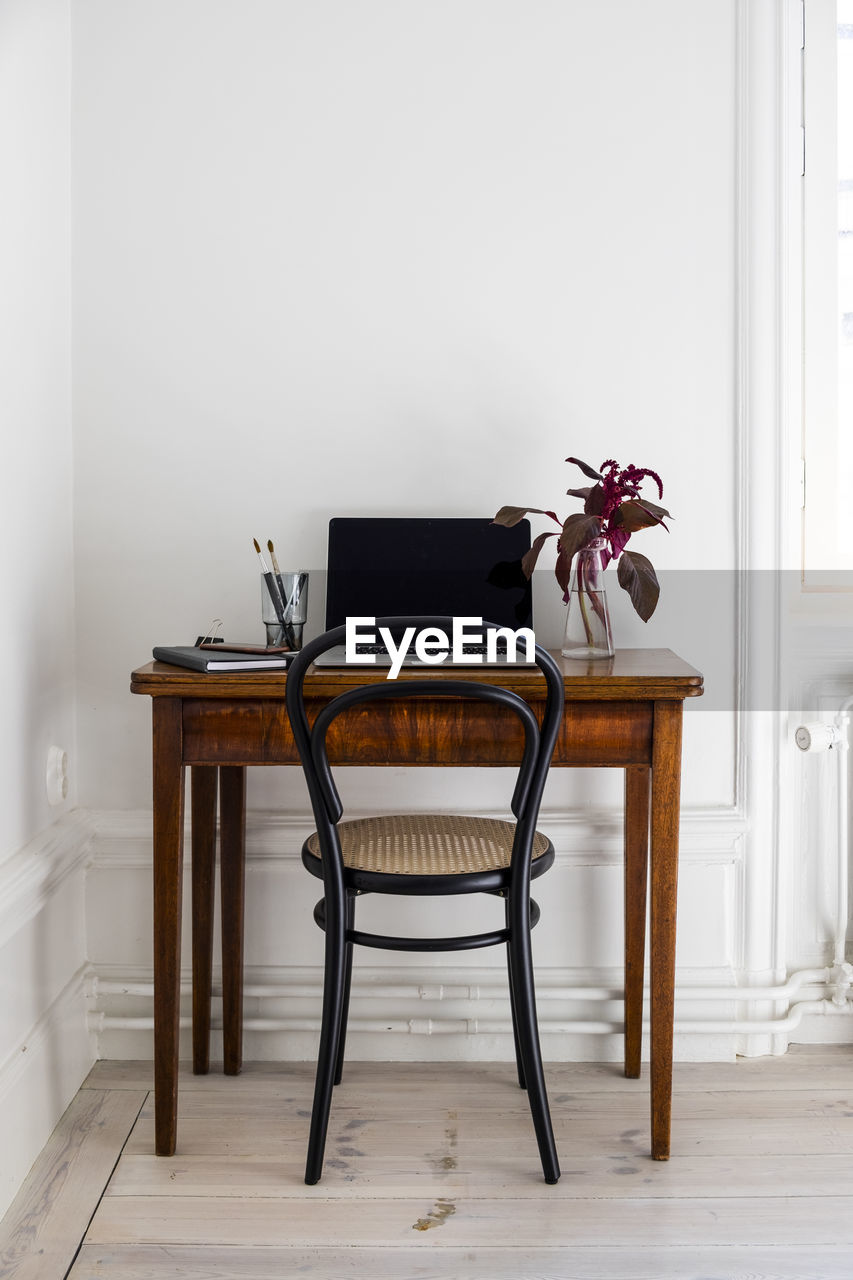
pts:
[338, 258]
[37, 671]
[44, 1047]
[343, 258]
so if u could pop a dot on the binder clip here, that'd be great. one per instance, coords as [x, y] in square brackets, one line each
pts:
[212, 637]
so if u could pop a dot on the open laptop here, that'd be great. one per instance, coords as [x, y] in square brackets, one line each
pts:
[380, 566]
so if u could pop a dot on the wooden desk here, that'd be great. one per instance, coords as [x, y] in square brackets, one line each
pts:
[625, 713]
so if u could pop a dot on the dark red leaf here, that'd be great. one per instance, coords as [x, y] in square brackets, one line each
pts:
[618, 538]
[635, 514]
[578, 531]
[594, 504]
[586, 469]
[528, 563]
[660, 512]
[508, 516]
[563, 572]
[579, 493]
[636, 575]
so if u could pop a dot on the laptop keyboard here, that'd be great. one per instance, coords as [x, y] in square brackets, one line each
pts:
[469, 650]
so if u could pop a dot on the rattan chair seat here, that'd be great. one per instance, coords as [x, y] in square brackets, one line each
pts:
[427, 844]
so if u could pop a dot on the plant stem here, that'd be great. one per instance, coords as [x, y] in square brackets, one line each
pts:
[581, 586]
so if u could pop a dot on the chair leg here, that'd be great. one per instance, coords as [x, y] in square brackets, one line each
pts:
[333, 992]
[350, 922]
[521, 970]
[518, 1063]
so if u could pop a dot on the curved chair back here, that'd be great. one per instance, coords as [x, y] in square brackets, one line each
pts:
[311, 740]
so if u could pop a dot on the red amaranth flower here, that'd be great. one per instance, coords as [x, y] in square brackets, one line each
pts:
[614, 510]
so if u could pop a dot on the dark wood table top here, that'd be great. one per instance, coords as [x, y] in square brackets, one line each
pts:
[632, 674]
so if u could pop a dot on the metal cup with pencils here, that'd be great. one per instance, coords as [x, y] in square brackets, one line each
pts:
[284, 602]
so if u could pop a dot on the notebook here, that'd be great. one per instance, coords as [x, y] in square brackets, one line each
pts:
[220, 659]
[453, 565]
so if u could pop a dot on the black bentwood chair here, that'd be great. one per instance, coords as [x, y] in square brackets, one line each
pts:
[425, 855]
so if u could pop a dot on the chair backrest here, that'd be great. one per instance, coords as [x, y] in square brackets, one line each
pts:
[539, 740]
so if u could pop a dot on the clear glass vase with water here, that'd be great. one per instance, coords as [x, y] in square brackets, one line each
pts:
[588, 633]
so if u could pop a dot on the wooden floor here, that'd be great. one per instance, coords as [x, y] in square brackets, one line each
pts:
[432, 1171]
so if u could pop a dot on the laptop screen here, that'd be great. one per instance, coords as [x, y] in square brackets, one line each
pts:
[386, 566]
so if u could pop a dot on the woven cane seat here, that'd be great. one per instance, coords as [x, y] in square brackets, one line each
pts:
[427, 844]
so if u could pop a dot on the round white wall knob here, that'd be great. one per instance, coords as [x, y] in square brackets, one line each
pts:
[816, 737]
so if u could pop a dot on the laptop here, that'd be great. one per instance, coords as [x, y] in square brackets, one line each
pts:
[381, 566]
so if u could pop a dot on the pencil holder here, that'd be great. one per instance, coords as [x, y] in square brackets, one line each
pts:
[284, 607]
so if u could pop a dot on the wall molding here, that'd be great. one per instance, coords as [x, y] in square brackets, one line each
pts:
[765, 427]
[122, 838]
[31, 876]
[456, 1011]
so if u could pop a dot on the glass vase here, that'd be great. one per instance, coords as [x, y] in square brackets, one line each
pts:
[588, 634]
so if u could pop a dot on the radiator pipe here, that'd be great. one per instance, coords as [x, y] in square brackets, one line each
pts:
[479, 991]
[100, 1022]
[825, 737]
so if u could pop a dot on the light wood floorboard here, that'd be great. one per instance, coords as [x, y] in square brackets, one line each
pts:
[475, 1223]
[42, 1228]
[501, 1178]
[432, 1172]
[802, 1067]
[154, 1262]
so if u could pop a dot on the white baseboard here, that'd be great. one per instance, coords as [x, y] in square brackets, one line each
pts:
[38, 1078]
[46, 1048]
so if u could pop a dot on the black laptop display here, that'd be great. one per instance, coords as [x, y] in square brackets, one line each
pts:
[458, 566]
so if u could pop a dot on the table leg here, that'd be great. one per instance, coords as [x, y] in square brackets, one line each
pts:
[636, 879]
[666, 789]
[168, 870]
[232, 871]
[203, 806]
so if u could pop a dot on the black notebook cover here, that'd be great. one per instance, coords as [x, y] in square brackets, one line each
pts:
[223, 659]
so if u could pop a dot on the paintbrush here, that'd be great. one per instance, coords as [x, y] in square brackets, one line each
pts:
[287, 604]
[271, 550]
[272, 587]
[264, 566]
